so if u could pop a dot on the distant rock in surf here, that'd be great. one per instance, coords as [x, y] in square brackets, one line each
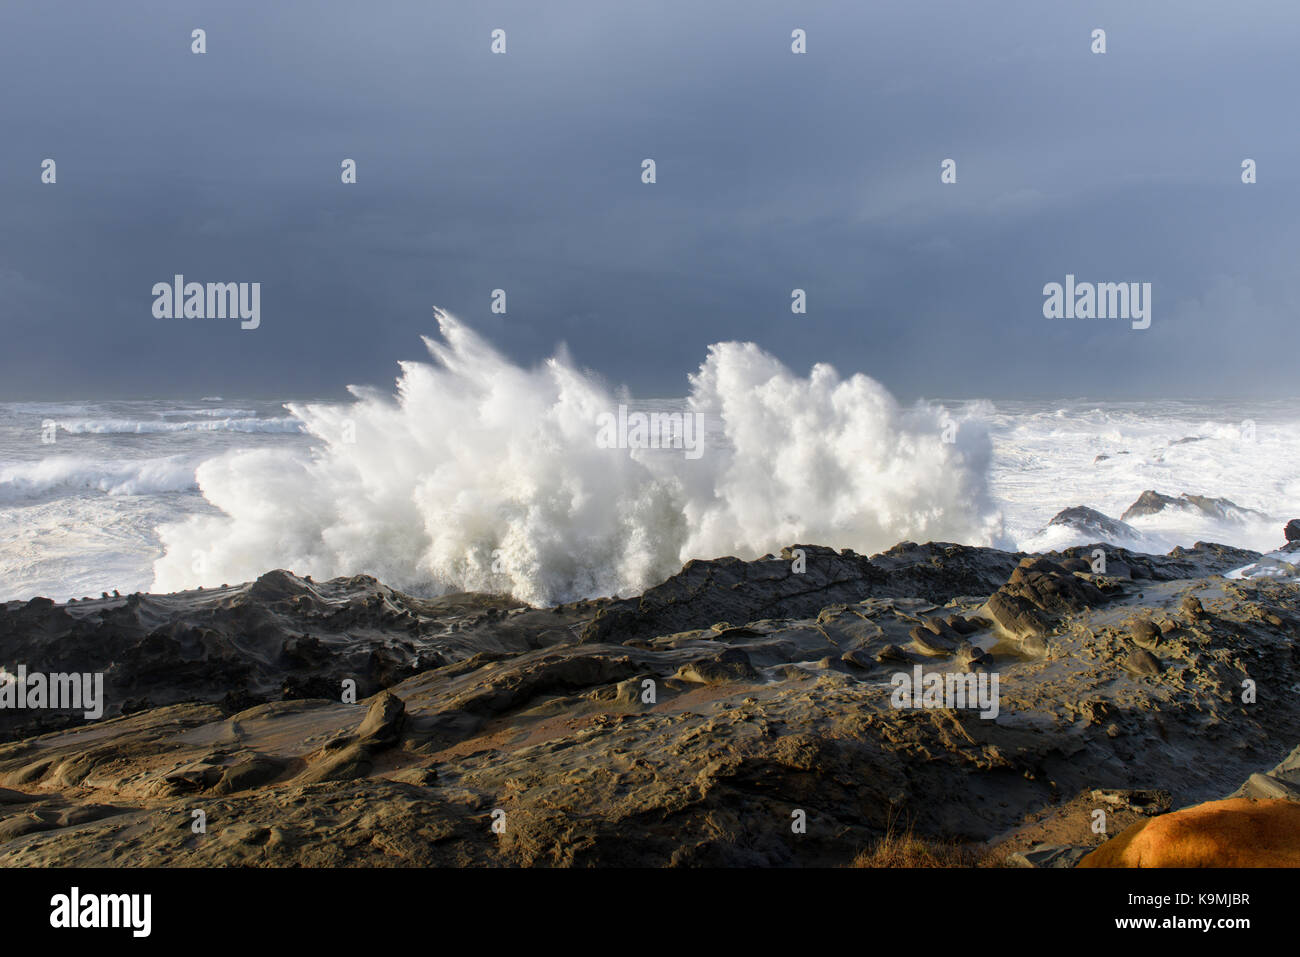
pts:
[1150, 502]
[1092, 522]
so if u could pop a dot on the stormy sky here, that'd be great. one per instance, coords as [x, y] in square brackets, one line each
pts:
[774, 171]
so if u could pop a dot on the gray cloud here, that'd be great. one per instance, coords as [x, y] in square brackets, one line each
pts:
[775, 171]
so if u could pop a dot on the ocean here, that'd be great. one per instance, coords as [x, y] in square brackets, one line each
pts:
[475, 473]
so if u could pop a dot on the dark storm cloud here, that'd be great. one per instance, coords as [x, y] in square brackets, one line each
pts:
[775, 171]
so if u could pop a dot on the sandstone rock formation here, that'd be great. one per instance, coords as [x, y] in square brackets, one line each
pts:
[685, 726]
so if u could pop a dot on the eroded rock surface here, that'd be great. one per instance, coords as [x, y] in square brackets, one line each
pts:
[687, 726]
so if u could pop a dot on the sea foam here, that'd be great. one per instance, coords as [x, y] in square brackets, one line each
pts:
[210, 424]
[62, 474]
[479, 474]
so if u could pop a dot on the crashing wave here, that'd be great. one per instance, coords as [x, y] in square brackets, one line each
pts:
[480, 474]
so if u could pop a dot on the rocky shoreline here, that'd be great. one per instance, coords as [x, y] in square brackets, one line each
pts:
[737, 714]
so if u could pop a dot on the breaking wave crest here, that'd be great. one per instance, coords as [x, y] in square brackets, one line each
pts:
[141, 427]
[32, 481]
[482, 475]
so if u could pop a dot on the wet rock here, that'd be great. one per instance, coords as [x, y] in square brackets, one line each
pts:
[420, 776]
[1016, 616]
[1280, 782]
[1150, 502]
[1267, 787]
[354, 761]
[1034, 645]
[198, 776]
[731, 590]
[382, 725]
[1048, 856]
[940, 628]
[1094, 523]
[928, 643]
[252, 772]
[510, 685]
[892, 653]
[961, 624]
[511, 710]
[859, 657]
[21, 824]
[1094, 711]
[631, 693]
[971, 658]
[1050, 588]
[1146, 801]
[731, 665]
[1218, 507]
[1191, 608]
[1200, 560]
[1142, 662]
[1146, 633]
[278, 637]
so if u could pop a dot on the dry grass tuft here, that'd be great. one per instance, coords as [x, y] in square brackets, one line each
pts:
[905, 849]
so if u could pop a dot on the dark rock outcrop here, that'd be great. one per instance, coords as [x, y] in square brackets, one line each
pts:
[681, 727]
[1092, 522]
[1150, 502]
[277, 638]
[728, 589]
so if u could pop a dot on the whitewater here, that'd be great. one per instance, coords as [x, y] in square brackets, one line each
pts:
[475, 473]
